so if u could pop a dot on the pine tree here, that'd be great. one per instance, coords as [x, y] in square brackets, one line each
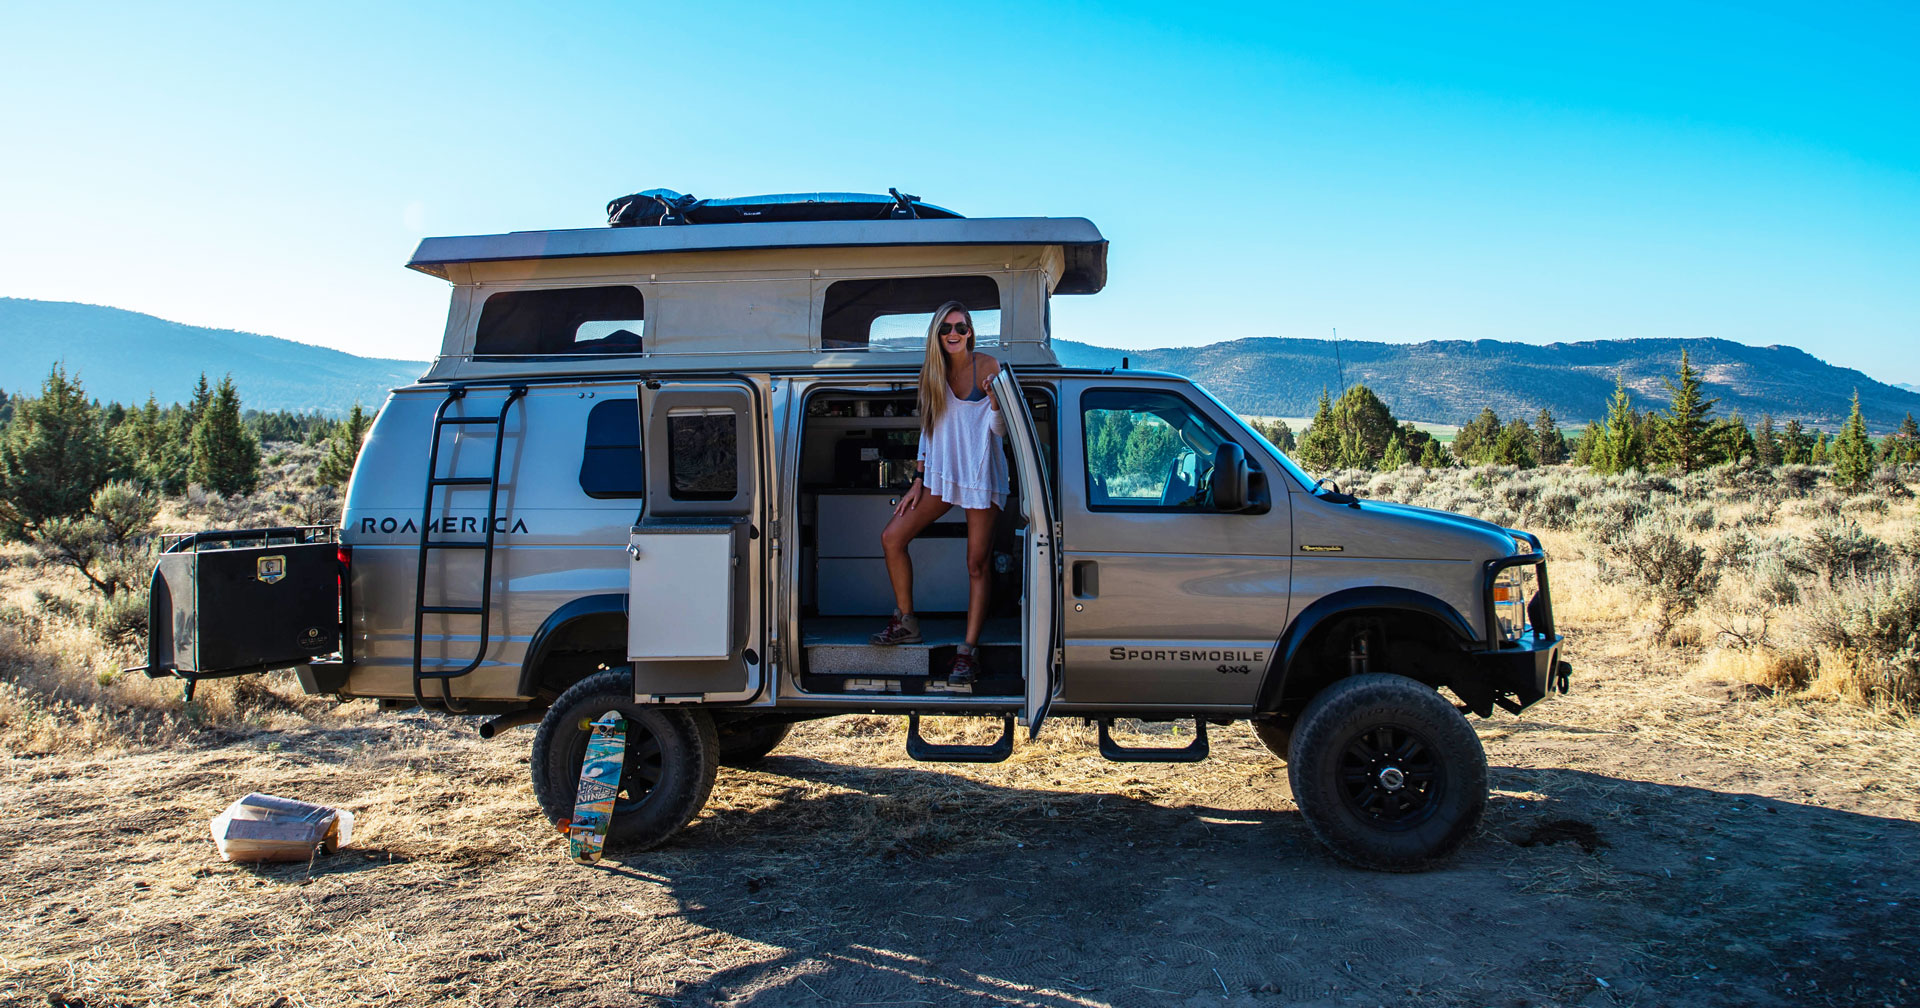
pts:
[1396, 453]
[1852, 451]
[336, 463]
[1514, 447]
[1819, 454]
[1433, 456]
[53, 457]
[1728, 440]
[1766, 444]
[1903, 446]
[1587, 443]
[1796, 445]
[226, 460]
[1474, 443]
[1683, 431]
[1320, 442]
[1621, 446]
[1361, 416]
[1549, 445]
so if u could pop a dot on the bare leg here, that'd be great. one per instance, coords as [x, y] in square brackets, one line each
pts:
[894, 540]
[979, 568]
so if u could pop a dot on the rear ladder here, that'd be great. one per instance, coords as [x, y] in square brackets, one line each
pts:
[428, 544]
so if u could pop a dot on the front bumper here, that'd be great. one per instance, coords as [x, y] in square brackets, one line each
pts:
[1521, 672]
[1524, 671]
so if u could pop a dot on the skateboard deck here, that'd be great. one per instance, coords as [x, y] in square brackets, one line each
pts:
[599, 784]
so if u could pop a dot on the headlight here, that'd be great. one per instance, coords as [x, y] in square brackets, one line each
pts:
[1510, 601]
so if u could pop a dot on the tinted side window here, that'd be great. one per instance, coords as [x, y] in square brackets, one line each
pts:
[1146, 449]
[705, 460]
[567, 320]
[611, 465]
[893, 313]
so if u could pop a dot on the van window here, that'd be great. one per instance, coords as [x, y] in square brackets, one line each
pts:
[612, 465]
[561, 321]
[1146, 449]
[893, 313]
[704, 463]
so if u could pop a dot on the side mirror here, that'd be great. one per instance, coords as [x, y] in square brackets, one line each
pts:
[1230, 477]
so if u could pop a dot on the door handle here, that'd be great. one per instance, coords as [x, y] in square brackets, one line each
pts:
[1086, 579]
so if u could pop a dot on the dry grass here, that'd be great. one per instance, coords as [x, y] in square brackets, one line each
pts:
[1738, 834]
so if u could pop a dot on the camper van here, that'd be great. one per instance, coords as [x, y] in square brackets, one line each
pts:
[648, 472]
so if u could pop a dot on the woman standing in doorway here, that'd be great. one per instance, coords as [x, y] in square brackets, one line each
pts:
[961, 465]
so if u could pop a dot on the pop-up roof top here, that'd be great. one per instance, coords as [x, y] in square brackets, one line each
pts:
[819, 280]
[797, 221]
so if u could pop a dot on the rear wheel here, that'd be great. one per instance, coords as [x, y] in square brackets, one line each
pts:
[672, 758]
[1388, 774]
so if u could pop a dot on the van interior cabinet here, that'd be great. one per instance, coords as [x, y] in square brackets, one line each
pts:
[853, 570]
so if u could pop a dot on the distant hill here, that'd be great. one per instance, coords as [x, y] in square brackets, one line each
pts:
[1449, 381]
[122, 355]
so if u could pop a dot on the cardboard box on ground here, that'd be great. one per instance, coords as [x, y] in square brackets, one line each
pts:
[263, 827]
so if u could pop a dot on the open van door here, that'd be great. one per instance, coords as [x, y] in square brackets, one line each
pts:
[1039, 625]
[693, 614]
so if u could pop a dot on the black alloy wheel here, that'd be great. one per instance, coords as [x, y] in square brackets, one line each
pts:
[1390, 775]
[1387, 773]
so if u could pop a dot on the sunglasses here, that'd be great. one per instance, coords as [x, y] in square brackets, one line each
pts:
[954, 327]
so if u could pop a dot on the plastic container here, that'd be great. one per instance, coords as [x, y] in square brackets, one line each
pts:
[262, 827]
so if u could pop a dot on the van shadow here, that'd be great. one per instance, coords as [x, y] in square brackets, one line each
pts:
[913, 886]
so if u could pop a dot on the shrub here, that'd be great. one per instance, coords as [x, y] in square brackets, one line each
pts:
[1675, 571]
[1840, 549]
[1872, 625]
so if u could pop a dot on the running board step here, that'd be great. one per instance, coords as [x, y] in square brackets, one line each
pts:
[1192, 752]
[932, 752]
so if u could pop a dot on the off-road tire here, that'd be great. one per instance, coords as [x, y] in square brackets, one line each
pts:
[1344, 793]
[742, 746]
[1275, 736]
[679, 746]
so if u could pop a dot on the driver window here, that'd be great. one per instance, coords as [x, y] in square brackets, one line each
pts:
[1146, 449]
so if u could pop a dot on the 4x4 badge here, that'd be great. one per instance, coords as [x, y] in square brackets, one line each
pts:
[270, 568]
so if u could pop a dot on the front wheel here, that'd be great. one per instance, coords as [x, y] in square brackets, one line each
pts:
[1388, 774]
[672, 758]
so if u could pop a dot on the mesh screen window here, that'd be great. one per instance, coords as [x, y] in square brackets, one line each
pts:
[561, 321]
[705, 459]
[893, 313]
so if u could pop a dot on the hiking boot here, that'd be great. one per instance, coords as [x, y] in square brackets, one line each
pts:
[965, 667]
[901, 629]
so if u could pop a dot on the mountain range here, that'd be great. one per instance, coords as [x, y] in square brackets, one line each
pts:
[1450, 381]
[123, 355]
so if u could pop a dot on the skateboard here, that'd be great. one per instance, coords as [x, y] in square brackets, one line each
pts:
[599, 784]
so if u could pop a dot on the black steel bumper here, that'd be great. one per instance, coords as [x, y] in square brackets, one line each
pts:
[1523, 672]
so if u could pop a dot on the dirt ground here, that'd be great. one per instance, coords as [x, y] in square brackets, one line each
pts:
[1653, 839]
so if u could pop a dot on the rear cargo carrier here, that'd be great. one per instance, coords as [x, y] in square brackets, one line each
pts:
[230, 603]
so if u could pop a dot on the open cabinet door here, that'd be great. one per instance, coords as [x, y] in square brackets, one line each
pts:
[1039, 630]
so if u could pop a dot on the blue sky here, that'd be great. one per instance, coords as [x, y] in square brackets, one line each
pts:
[1749, 172]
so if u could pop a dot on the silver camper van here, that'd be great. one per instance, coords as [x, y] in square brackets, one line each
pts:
[648, 472]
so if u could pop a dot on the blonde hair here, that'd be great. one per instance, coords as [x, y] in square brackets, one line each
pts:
[933, 372]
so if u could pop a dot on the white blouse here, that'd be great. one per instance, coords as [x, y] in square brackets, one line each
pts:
[965, 465]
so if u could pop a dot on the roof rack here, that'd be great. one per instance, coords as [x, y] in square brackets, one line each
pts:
[665, 207]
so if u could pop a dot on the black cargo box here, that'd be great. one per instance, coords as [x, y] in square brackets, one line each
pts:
[230, 603]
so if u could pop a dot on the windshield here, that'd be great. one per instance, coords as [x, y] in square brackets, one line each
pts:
[1299, 475]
